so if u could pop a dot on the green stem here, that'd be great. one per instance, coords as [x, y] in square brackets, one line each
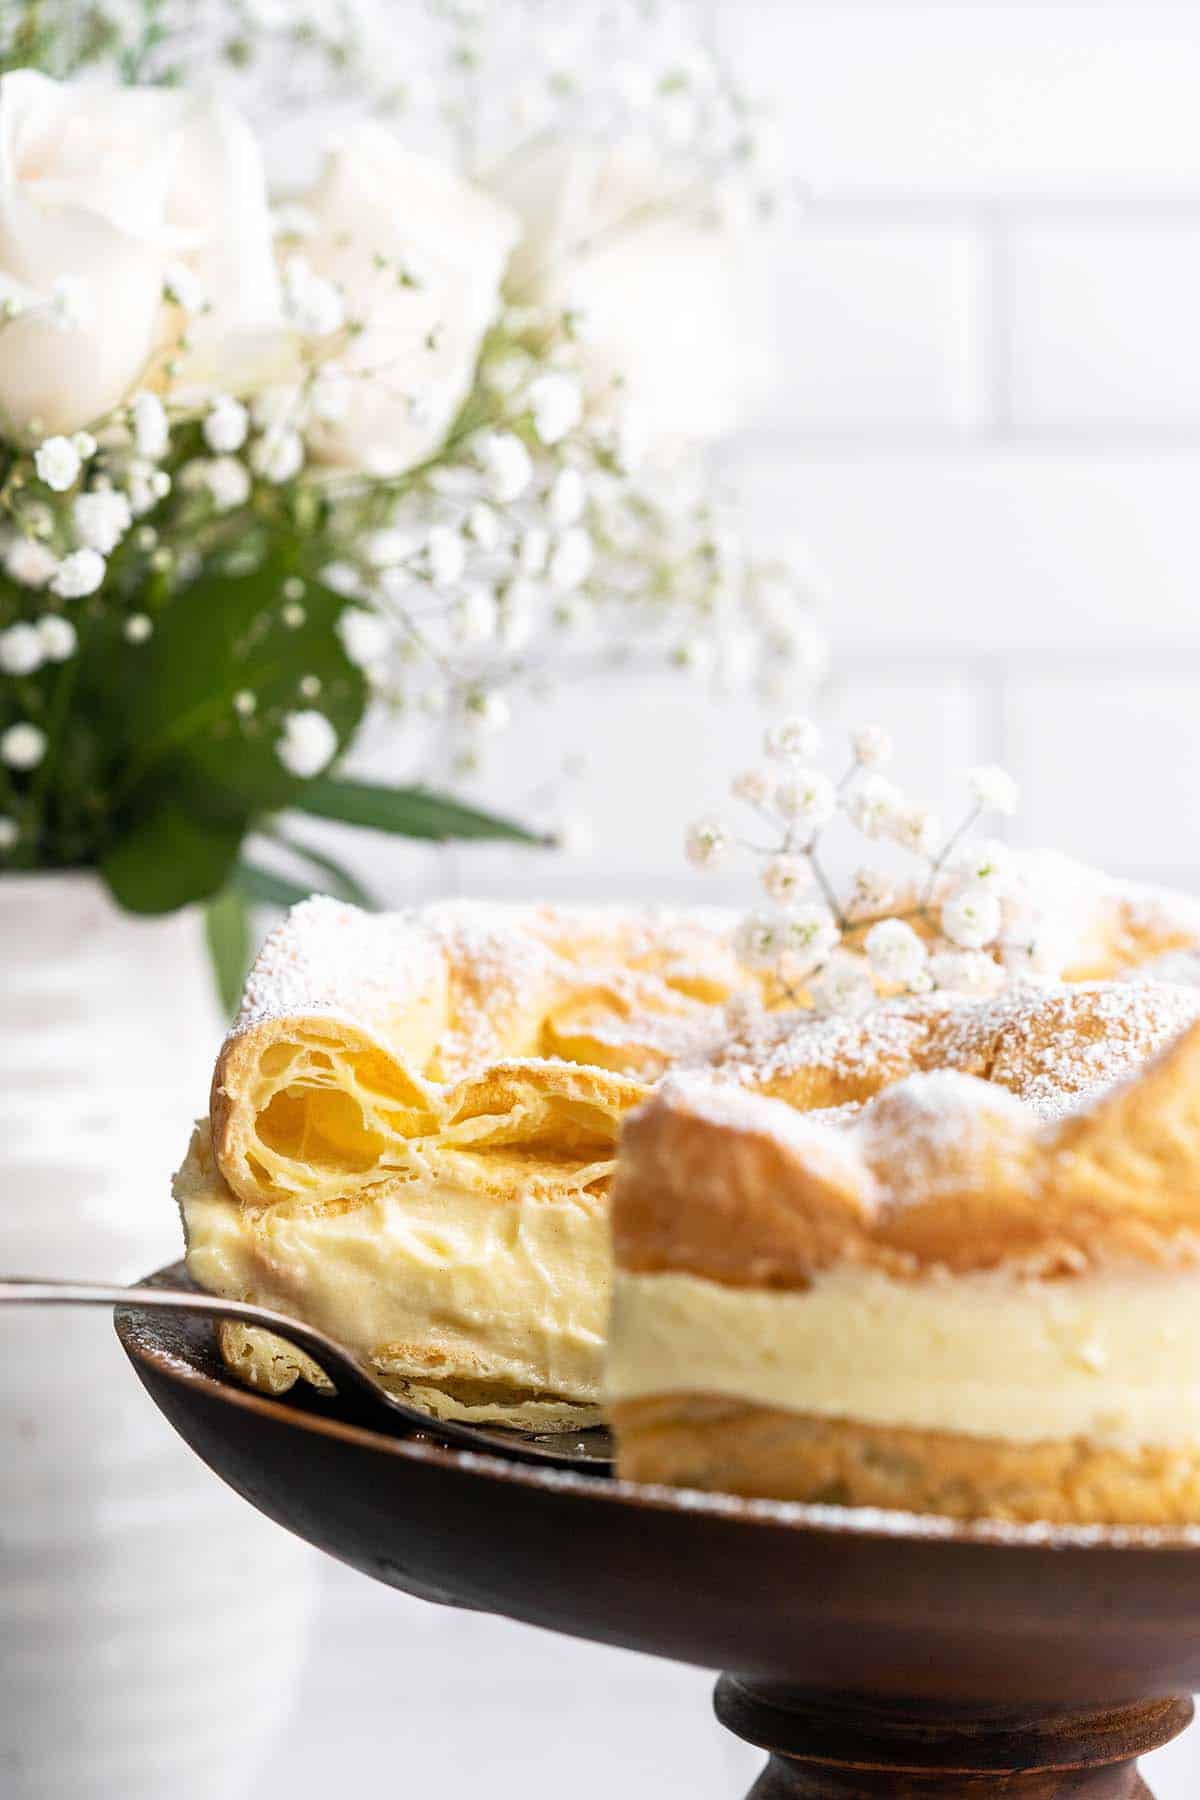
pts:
[61, 700]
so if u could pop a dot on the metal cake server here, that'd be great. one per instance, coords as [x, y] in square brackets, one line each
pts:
[361, 1397]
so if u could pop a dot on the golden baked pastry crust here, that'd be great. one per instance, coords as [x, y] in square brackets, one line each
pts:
[361, 1037]
[733, 1447]
[942, 1169]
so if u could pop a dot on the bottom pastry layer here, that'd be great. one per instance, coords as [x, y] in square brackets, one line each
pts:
[732, 1447]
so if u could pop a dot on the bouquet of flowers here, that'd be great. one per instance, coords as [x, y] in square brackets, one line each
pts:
[387, 445]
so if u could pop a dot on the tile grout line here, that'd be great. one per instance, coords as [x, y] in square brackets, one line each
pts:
[994, 344]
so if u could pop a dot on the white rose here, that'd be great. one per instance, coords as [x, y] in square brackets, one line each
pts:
[101, 191]
[667, 289]
[419, 337]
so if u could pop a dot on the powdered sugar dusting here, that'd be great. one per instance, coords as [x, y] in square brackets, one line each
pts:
[1052, 1044]
[328, 957]
[657, 977]
[1080, 1041]
[664, 988]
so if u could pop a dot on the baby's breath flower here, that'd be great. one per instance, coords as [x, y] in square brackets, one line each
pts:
[293, 615]
[278, 455]
[567, 498]
[23, 746]
[986, 864]
[245, 704]
[226, 425]
[807, 798]
[806, 936]
[10, 833]
[446, 554]
[556, 401]
[365, 637]
[58, 463]
[151, 431]
[872, 890]
[145, 486]
[29, 563]
[308, 743]
[483, 523]
[753, 786]
[343, 578]
[844, 985]
[21, 650]
[966, 972]
[59, 638]
[101, 519]
[707, 843]
[85, 444]
[79, 574]
[993, 789]
[916, 829]
[792, 740]
[872, 746]
[474, 616]
[507, 465]
[895, 952]
[758, 940]
[785, 878]
[227, 480]
[971, 918]
[387, 546]
[138, 628]
[533, 550]
[872, 805]
[571, 562]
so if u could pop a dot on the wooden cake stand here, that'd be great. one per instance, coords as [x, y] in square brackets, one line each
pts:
[872, 1653]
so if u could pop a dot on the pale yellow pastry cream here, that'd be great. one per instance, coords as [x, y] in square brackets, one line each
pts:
[503, 1299]
[1112, 1356]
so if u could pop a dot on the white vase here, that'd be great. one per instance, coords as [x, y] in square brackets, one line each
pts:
[151, 1624]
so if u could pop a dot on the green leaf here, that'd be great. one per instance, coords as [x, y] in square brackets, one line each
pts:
[341, 882]
[405, 812]
[226, 635]
[266, 888]
[170, 857]
[227, 929]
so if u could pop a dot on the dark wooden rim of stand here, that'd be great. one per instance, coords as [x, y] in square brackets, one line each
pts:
[1016, 1656]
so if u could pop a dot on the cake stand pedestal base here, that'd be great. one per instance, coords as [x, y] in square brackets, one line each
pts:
[857, 1749]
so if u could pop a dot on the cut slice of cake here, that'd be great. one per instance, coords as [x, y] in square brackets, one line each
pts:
[970, 1296]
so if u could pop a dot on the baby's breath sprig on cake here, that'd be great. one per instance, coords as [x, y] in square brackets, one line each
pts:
[945, 928]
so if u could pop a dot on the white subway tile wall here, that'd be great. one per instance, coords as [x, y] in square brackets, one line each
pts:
[986, 427]
[984, 431]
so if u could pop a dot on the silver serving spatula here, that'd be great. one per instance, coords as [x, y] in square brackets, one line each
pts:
[361, 1397]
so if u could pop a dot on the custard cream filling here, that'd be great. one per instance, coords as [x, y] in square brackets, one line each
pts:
[430, 1280]
[1112, 1357]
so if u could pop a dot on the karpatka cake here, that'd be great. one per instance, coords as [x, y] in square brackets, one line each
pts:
[414, 1118]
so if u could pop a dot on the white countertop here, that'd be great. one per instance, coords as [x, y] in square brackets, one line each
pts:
[404, 1698]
